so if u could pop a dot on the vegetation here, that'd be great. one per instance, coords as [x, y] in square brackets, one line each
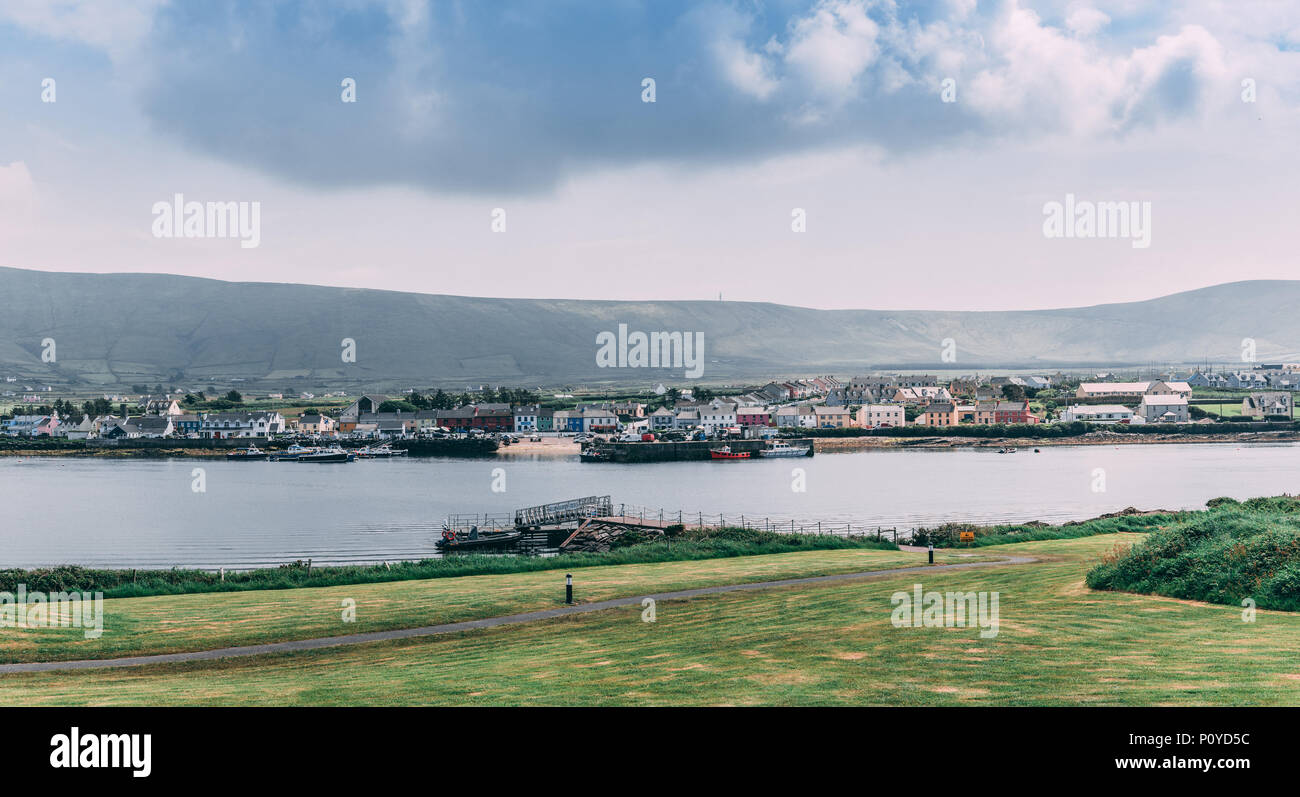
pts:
[821, 644]
[171, 623]
[1128, 521]
[1230, 552]
[683, 546]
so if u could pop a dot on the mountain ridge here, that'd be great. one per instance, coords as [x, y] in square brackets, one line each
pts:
[124, 328]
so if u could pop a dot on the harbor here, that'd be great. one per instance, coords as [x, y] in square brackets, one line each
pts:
[147, 512]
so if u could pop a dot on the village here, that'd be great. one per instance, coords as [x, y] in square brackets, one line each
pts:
[871, 402]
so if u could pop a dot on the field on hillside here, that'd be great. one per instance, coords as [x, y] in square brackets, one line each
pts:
[1057, 643]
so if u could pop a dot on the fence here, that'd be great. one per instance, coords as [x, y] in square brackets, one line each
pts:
[699, 519]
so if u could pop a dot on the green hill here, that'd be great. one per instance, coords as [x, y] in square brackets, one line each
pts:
[120, 329]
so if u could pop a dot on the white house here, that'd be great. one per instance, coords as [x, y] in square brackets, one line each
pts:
[871, 416]
[717, 415]
[1097, 413]
[526, 418]
[1164, 409]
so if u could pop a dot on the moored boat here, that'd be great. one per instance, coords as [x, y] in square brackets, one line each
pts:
[292, 453]
[252, 452]
[726, 453]
[328, 455]
[780, 448]
[473, 539]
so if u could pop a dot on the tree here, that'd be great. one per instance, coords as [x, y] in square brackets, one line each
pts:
[397, 406]
[234, 397]
[1013, 392]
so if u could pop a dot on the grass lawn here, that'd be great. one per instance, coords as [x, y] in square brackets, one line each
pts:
[1059, 643]
[173, 623]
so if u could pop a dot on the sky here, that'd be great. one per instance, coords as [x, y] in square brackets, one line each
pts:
[921, 144]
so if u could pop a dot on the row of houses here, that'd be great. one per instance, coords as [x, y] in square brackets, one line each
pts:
[213, 425]
[1156, 408]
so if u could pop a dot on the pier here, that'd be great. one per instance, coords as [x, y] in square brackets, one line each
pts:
[685, 451]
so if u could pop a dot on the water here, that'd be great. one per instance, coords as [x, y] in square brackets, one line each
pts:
[143, 513]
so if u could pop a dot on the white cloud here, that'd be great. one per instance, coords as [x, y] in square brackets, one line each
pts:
[115, 26]
[16, 182]
[832, 47]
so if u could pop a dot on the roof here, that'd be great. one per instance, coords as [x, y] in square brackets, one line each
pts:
[1164, 401]
[1098, 409]
[1114, 387]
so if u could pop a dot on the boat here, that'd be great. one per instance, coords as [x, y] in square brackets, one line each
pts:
[780, 448]
[460, 539]
[726, 453]
[593, 455]
[380, 452]
[1006, 451]
[328, 455]
[252, 452]
[292, 453]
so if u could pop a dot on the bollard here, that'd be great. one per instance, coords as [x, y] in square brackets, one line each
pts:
[568, 588]
[932, 553]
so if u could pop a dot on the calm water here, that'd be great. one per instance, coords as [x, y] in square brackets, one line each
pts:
[144, 513]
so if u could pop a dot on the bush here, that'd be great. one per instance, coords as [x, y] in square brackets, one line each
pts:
[1232, 551]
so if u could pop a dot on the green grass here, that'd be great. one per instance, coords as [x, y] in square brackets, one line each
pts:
[174, 623]
[1059, 643]
[691, 544]
[1230, 553]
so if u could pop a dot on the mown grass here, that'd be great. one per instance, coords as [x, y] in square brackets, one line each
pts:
[1230, 553]
[831, 644]
[689, 545]
[174, 623]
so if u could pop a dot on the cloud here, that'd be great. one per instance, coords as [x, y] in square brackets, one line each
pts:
[115, 26]
[16, 184]
[515, 97]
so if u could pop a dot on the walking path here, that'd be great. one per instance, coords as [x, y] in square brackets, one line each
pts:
[487, 622]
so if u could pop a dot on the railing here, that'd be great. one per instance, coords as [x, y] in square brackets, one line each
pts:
[563, 511]
[484, 521]
[698, 519]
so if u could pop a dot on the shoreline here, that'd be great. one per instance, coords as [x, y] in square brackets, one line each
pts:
[841, 445]
[550, 448]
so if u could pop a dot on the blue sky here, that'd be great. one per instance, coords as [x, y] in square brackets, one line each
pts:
[831, 106]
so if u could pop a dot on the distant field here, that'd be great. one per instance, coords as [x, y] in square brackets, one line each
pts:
[1058, 643]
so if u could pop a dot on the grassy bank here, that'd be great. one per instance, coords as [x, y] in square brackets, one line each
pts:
[687, 546]
[1230, 552]
[174, 623]
[1129, 520]
[1058, 644]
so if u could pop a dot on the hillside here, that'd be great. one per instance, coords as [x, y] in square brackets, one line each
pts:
[113, 329]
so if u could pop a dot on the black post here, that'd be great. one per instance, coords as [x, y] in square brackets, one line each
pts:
[931, 553]
[568, 586]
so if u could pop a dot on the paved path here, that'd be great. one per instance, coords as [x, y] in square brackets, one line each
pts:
[487, 622]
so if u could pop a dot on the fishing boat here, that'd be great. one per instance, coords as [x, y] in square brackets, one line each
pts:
[780, 448]
[726, 453]
[593, 455]
[292, 453]
[252, 452]
[328, 455]
[473, 539]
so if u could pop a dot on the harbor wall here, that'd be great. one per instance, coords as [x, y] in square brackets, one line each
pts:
[694, 450]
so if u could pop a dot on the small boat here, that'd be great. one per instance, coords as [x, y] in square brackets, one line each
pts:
[780, 448]
[293, 453]
[328, 455]
[460, 539]
[1006, 451]
[726, 453]
[593, 455]
[252, 452]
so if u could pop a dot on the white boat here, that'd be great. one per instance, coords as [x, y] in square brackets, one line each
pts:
[780, 448]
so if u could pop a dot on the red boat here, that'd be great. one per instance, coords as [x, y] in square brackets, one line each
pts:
[726, 453]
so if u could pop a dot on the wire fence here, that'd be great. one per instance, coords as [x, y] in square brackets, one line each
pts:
[701, 519]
